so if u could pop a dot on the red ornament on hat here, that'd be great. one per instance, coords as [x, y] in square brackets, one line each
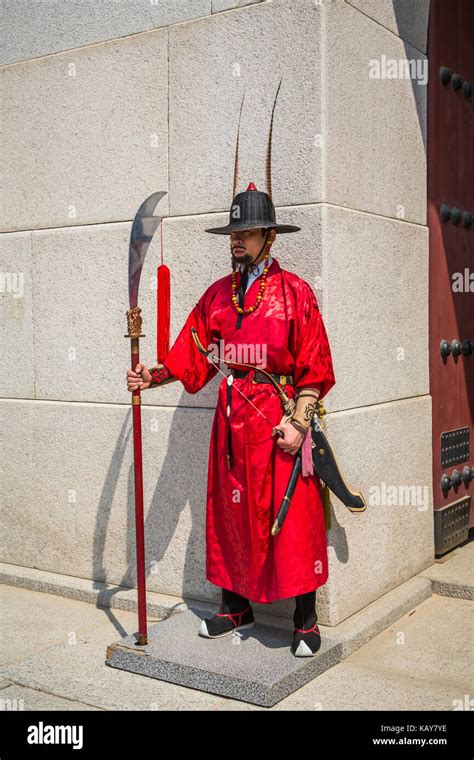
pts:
[251, 187]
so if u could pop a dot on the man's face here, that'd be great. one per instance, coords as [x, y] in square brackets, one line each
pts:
[246, 244]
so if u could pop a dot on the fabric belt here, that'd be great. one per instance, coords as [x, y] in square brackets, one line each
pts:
[259, 377]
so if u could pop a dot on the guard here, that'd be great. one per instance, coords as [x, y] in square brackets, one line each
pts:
[272, 314]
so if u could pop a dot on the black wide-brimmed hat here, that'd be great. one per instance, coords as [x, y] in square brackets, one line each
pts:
[253, 209]
[250, 210]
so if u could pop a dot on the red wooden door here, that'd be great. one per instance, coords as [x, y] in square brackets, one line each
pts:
[451, 278]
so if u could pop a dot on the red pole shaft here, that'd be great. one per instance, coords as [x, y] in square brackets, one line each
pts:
[139, 518]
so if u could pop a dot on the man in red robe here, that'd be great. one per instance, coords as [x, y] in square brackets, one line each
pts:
[272, 314]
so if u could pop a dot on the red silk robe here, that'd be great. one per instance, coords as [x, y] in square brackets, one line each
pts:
[243, 502]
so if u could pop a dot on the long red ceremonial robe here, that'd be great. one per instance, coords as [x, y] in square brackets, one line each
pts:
[243, 502]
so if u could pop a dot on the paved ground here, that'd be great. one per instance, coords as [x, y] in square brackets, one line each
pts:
[53, 652]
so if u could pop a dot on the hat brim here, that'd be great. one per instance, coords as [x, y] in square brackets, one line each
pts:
[235, 227]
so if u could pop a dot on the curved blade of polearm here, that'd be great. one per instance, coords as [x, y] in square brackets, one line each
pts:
[144, 227]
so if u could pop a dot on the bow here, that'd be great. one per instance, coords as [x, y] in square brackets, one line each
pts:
[288, 404]
[324, 461]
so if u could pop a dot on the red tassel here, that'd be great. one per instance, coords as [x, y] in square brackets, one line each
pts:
[307, 455]
[163, 312]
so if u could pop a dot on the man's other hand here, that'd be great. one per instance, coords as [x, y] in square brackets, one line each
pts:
[293, 439]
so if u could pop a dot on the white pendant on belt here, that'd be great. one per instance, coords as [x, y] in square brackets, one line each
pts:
[230, 380]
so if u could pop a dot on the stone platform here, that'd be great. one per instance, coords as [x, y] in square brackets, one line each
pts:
[254, 665]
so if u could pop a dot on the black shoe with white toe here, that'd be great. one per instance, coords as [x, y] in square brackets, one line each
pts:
[224, 623]
[306, 641]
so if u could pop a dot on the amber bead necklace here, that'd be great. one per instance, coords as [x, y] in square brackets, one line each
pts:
[235, 300]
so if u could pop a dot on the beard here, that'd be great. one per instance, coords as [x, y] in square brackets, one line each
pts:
[245, 258]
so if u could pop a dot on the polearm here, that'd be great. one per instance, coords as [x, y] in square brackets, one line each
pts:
[143, 228]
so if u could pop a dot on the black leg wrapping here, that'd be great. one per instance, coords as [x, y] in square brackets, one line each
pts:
[232, 602]
[305, 617]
